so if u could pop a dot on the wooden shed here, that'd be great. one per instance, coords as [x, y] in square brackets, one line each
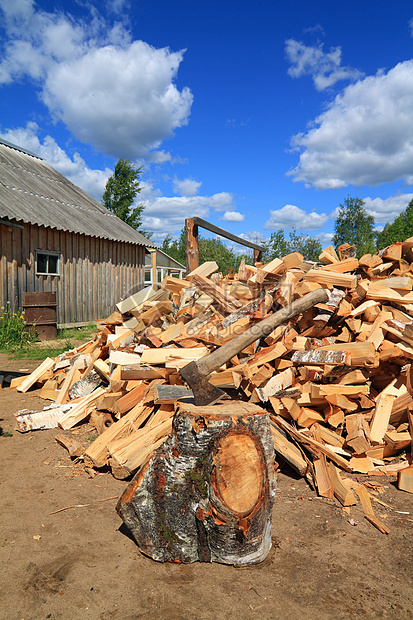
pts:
[56, 238]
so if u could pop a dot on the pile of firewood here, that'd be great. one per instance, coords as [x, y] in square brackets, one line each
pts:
[337, 380]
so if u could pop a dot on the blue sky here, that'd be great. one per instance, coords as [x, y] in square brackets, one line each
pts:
[252, 115]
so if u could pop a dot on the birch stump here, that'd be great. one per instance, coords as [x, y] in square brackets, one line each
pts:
[207, 493]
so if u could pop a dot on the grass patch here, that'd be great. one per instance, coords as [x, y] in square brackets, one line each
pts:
[36, 352]
[66, 339]
[78, 333]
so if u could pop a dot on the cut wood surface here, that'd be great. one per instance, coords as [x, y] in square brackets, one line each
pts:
[331, 278]
[381, 417]
[80, 410]
[405, 479]
[36, 375]
[205, 270]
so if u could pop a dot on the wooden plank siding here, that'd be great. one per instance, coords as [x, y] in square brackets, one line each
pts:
[94, 273]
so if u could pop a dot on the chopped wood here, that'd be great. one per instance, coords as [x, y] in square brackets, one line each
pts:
[81, 410]
[341, 492]
[159, 356]
[328, 256]
[322, 477]
[381, 417]
[131, 452]
[71, 378]
[320, 357]
[140, 371]
[279, 382]
[205, 270]
[97, 453]
[348, 264]
[131, 398]
[225, 301]
[360, 353]
[405, 479]
[289, 451]
[29, 381]
[71, 444]
[331, 278]
[39, 420]
[358, 436]
[367, 507]
[132, 302]
[337, 379]
[123, 358]
[347, 251]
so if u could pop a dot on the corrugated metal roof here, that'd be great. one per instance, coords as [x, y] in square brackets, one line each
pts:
[163, 260]
[31, 191]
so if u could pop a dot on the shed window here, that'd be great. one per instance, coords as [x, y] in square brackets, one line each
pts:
[47, 263]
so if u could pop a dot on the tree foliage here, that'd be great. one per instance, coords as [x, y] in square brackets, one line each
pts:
[209, 249]
[355, 226]
[278, 246]
[399, 230]
[121, 189]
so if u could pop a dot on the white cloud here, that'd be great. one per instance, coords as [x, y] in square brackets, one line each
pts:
[233, 216]
[317, 29]
[291, 216]
[325, 239]
[254, 236]
[365, 137]
[383, 210]
[166, 215]
[114, 93]
[387, 210]
[324, 68]
[16, 9]
[186, 187]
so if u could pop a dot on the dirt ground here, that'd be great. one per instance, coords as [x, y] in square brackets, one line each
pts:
[80, 564]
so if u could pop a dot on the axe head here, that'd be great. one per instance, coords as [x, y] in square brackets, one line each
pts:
[204, 393]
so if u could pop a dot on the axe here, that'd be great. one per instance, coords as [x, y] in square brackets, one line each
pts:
[195, 373]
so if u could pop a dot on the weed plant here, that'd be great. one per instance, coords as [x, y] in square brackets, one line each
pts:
[13, 333]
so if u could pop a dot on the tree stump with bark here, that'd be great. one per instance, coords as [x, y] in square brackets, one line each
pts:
[207, 493]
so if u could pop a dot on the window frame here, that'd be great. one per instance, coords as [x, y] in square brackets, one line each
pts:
[48, 255]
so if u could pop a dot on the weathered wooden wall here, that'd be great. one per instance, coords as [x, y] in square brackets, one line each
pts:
[93, 275]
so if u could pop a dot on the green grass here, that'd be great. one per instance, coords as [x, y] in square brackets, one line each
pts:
[78, 333]
[40, 353]
[70, 338]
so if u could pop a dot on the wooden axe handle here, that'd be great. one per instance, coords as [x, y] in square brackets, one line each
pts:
[217, 358]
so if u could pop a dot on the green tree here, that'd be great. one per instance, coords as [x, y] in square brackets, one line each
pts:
[399, 230]
[309, 247]
[278, 246]
[355, 226]
[209, 249]
[175, 248]
[215, 249]
[121, 189]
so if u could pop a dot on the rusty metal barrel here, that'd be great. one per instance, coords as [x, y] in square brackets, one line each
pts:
[40, 310]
